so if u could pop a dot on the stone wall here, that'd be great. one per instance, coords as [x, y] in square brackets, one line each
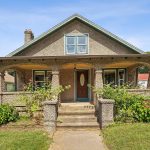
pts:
[145, 92]
[12, 98]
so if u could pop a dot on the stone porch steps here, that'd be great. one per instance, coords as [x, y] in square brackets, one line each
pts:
[78, 125]
[77, 115]
[77, 118]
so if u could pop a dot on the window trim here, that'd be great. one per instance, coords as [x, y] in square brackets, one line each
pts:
[117, 71]
[33, 75]
[76, 51]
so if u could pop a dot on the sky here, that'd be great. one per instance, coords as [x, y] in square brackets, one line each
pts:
[128, 19]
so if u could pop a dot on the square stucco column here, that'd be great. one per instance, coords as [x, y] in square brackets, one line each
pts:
[50, 115]
[55, 81]
[2, 85]
[98, 84]
[106, 112]
[55, 78]
[2, 82]
[98, 78]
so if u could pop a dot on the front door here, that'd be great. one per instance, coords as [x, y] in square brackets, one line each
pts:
[82, 85]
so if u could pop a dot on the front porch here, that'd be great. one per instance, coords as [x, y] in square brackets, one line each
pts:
[76, 71]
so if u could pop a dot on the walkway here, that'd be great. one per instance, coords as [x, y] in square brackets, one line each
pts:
[77, 140]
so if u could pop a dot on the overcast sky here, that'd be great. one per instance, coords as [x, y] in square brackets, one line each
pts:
[128, 19]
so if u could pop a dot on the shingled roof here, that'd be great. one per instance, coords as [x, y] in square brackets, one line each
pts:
[69, 19]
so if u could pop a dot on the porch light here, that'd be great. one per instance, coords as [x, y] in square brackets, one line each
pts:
[75, 67]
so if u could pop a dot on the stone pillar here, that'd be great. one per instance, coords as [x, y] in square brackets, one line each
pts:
[98, 78]
[2, 82]
[106, 112]
[55, 81]
[2, 85]
[50, 115]
[98, 84]
[55, 78]
[20, 81]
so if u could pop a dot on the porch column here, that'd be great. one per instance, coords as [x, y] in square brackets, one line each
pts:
[98, 84]
[2, 82]
[2, 85]
[55, 79]
[98, 78]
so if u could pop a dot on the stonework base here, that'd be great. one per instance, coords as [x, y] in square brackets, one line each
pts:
[50, 115]
[106, 112]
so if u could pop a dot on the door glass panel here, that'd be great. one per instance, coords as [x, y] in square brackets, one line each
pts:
[110, 77]
[82, 79]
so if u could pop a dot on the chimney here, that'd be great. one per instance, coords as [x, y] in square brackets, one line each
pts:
[28, 36]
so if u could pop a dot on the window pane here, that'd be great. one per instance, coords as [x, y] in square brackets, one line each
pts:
[71, 40]
[82, 40]
[82, 49]
[10, 80]
[39, 75]
[110, 77]
[71, 48]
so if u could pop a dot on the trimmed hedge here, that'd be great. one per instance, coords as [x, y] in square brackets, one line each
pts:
[7, 114]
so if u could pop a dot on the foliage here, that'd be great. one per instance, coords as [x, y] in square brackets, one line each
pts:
[128, 107]
[143, 69]
[128, 136]
[7, 114]
[40, 94]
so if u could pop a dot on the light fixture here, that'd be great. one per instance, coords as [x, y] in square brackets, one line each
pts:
[75, 67]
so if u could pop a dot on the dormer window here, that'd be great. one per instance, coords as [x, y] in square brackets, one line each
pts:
[76, 44]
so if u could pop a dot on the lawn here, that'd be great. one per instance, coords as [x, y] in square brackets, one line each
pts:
[24, 140]
[127, 136]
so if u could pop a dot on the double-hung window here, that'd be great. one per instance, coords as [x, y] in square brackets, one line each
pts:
[76, 44]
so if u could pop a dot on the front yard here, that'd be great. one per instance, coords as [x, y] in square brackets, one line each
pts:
[23, 135]
[127, 136]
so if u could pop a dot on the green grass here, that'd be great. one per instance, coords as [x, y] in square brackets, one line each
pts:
[127, 136]
[24, 140]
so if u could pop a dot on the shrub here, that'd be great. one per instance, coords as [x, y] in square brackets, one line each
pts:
[40, 94]
[7, 114]
[128, 107]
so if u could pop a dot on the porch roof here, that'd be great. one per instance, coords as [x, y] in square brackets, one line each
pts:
[125, 56]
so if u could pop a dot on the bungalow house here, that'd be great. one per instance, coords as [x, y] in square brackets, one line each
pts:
[75, 52]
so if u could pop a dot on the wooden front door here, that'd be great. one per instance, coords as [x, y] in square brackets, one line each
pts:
[82, 85]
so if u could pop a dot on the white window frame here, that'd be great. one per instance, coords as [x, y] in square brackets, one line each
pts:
[114, 70]
[76, 52]
[119, 76]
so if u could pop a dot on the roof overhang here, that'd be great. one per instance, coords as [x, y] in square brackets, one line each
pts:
[126, 56]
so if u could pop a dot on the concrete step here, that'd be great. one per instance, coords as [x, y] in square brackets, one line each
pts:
[76, 112]
[77, 118]
[78, 125]
[76, 106]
